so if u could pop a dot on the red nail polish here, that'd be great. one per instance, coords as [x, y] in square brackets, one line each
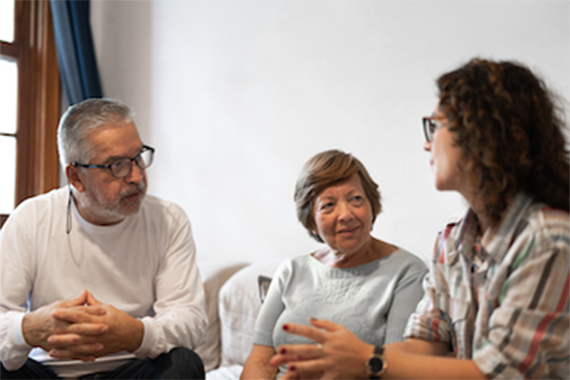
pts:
[285, 327]
[282, 351]
[292, 368]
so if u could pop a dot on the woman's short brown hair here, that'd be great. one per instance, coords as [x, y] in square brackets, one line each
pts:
[326, 169]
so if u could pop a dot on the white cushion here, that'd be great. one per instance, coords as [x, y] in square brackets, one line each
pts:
[239, 305]
[214, 275]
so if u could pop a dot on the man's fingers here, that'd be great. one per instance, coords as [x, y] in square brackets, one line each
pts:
[84, 329]
[83, 314]
[71, 340]
[80, 300]
[94, 310]
[86, 351]
[92, 300]
[303, 330]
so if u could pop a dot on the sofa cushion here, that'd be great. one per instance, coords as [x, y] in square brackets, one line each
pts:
[239, 304]
[214, 275]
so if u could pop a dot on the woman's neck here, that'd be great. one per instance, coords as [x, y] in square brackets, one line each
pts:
[374, 250]
[484, 218]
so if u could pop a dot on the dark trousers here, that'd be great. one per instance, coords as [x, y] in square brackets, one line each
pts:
[180, 363]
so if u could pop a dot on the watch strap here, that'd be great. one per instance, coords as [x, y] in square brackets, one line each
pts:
[377, 355]
[379, 350]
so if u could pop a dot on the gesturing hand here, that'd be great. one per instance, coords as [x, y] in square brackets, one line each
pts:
[338, 354]
[40, 324]
[122, 332]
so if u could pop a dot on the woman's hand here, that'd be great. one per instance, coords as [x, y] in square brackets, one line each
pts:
[338, 354]
[257, 364]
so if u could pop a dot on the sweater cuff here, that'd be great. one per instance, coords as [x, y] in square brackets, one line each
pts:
[150, 346]
[16, 350]
[18, 334]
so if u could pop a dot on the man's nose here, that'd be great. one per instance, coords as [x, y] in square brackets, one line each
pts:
[135, 174]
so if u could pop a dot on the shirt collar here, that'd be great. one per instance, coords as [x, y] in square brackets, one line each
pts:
[498, 238]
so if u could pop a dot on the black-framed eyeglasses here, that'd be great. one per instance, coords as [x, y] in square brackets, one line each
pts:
[431, 125]
[122, 167]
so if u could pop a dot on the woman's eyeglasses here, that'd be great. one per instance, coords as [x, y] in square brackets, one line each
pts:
[431, 124]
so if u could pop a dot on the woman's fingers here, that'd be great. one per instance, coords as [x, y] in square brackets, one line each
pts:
[323, 324]
[280, 359]
[303, 330]
[307, 367]
[301, 351]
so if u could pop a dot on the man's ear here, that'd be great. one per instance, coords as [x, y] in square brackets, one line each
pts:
[74, 177]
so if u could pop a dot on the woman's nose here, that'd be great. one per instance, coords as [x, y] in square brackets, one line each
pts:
[345, 211]
[427, 146]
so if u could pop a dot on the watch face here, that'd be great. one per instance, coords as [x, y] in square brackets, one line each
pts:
[375, 364]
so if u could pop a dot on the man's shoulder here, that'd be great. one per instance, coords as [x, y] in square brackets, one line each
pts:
[43, 209]
[45, 201]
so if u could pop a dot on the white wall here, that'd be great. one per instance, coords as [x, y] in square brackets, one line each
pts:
[237, 95]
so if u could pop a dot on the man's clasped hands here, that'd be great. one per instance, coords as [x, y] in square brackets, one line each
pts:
[82, 328]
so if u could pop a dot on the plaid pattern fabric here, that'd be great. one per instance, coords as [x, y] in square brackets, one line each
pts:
[502, 301]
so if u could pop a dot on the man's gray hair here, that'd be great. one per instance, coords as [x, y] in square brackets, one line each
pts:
[81, 119]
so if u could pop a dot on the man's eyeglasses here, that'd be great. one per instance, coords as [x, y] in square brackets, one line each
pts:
[122, 167]
[431, 125]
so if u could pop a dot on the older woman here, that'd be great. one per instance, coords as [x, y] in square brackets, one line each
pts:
[365, 283]
[496, 303]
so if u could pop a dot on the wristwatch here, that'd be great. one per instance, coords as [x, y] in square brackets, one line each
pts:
[376, 364]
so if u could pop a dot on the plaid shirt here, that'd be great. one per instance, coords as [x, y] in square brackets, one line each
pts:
[502, 301]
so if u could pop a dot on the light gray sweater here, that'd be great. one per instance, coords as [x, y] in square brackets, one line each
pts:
[373, 300]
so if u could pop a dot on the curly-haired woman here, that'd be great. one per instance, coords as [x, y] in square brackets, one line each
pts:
[497, 297]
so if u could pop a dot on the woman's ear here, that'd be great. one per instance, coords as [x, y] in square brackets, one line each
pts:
[74, 176]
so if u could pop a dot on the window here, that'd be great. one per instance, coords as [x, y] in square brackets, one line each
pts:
[29, 102]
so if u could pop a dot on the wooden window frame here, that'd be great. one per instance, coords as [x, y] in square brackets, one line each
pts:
[39, 98]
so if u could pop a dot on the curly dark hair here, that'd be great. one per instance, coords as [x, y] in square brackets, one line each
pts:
[510, 129]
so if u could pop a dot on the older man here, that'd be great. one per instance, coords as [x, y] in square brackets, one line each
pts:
[98, 280]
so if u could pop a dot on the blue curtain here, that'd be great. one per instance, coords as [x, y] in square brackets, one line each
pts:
[75, 51]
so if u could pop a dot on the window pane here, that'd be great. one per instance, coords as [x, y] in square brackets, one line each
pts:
[7, 20]
[8, 95]
[7, 174]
